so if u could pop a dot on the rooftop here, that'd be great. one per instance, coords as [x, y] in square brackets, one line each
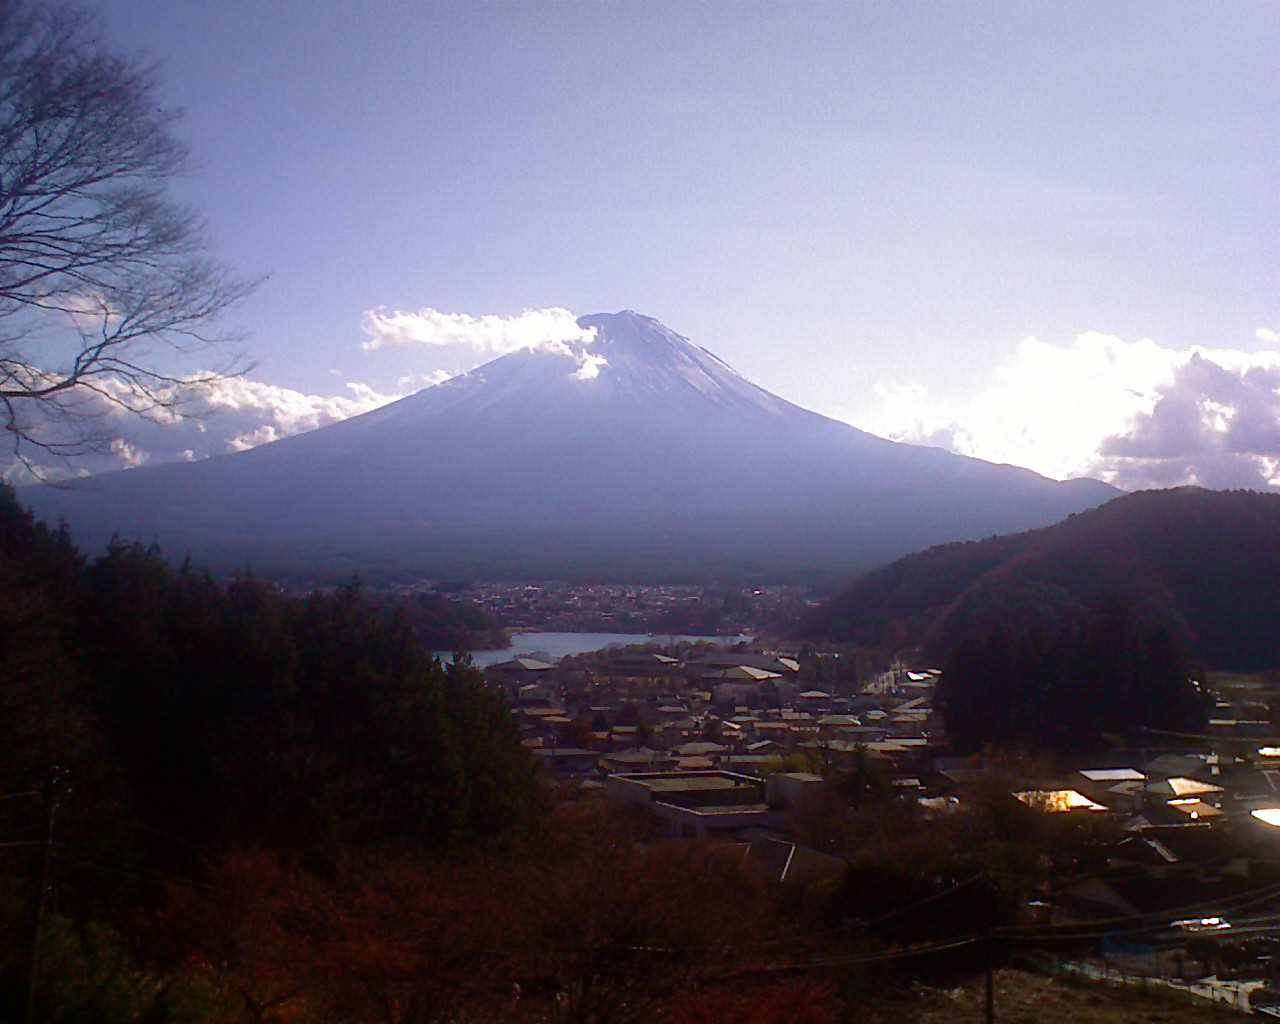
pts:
[690, 782]
[1113, 775]
[1057, 801]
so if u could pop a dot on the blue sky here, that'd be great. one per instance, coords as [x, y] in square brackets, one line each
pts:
[907, 215]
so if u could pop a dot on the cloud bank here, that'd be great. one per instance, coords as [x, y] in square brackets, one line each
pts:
[225, 416]
[467, 339]
[1214, 424]
[1134, 413]
[241, 413]
[488, 334]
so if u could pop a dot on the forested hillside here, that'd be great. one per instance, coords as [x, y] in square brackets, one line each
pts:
[442, 623]
[156, 722]
[1205, 565]
[1065, 687]
[236, 714]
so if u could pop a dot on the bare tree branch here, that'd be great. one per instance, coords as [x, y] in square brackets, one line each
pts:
[97, 264]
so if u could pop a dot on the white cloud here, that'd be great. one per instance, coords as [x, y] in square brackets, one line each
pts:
[1217, 424]
[589, 369]
[907, 413]
[416, 382]
[489, 334]
[1133, 412]
[288, 411]
[131, 456]
[469, 338]
[241, 413]
[265, 434]
[1268, 335]
[1048, 408]
[224, 416]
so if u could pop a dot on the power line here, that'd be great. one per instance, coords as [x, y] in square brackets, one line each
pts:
[1258, 740]
[1244, 899]
[852, 959]
[871, 922]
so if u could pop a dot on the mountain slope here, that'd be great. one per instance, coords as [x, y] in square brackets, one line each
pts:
[632, 450]
[1204, 563]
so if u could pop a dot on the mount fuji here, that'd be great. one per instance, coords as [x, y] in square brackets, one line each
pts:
[629, 452]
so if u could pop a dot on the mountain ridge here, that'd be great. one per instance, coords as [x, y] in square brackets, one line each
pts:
[1205, 564]
[632, 440]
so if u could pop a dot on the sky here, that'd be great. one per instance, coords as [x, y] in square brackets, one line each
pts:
[1044, 234]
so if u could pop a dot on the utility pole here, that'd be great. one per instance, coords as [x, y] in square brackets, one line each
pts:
[989, 947]
[46, 882]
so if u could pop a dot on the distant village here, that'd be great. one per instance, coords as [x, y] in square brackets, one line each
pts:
[734, 744]
[559, 606]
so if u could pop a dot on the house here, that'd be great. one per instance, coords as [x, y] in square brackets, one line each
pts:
[775, 732]
[1162, 816]
[714, 661]
[511, 675]
[742, 686]
[694, 805]
[748, 764]
[1252, 787]
[566, 761]
[1181, 788]
[700, 748]
[603, 714]
[1204, 854]
[791, 789]
[1196, 810]
[1058, 801]
[1101, 784]
[540, 693]
[845, 755]
[541, 721]
[644, 670]
[833, 726]
[1123, 796]
[637, 759]
[1185, 765]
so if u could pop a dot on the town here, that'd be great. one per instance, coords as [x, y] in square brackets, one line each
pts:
[749, 746]
[558, 605]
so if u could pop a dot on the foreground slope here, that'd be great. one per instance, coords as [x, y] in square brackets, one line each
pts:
[637, 452]
[1204, 563]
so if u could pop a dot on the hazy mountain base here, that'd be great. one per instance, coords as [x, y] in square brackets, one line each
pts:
[622, 555]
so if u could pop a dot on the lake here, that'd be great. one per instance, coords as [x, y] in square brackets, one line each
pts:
[554, 646]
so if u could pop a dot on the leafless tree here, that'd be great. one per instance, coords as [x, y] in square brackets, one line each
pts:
[105, 281]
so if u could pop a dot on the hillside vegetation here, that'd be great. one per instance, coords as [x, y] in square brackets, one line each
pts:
[1204, 565]
[234, 714]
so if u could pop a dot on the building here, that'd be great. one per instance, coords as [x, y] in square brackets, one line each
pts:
[695, 805]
